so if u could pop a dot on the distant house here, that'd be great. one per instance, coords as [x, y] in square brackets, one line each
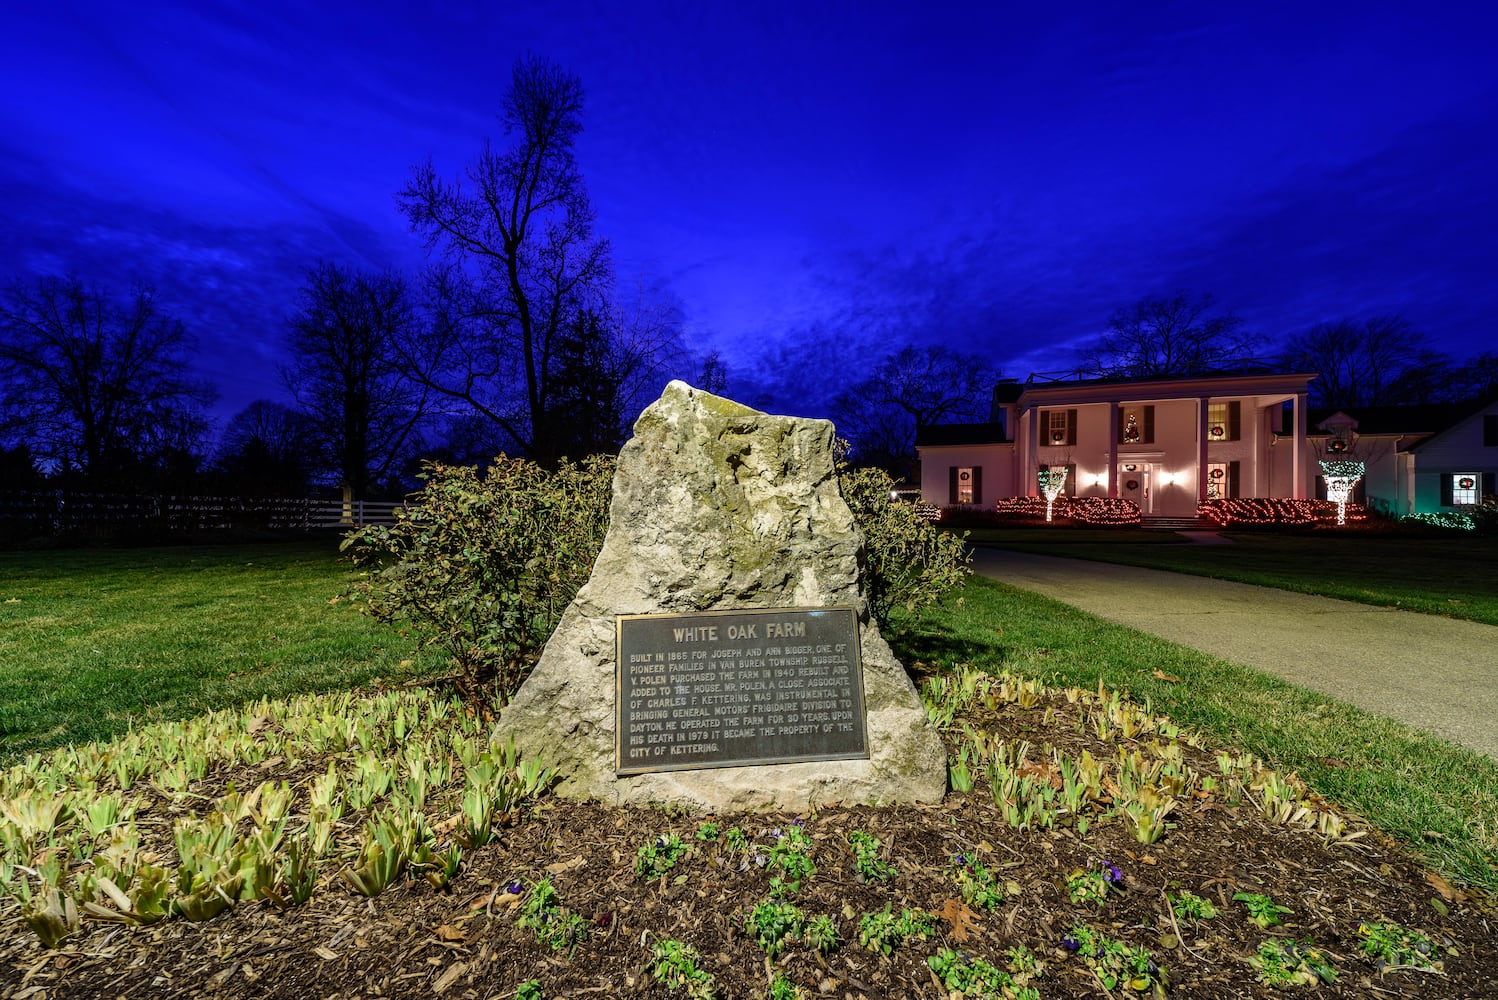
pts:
[1419, 459]
[1163, 443]
[1168, 443]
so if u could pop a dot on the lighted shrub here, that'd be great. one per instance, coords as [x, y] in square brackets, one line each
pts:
[484, 564]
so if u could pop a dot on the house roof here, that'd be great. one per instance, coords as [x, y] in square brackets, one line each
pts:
[1007, 391]
[987, 432]
[1267, 385]
[1430, 418]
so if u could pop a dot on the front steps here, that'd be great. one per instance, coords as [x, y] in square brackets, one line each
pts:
[1177, 524]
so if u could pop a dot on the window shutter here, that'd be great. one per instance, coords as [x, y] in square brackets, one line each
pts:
[1487, 484]
[1149, 425]
[977, 484]
[1123, 421]
[1448, 483]
[1233, 470]
[1320, 487]
[1071, 426]
[1235, 416]
[1071, 478]
[952, 485]
[1490, 430]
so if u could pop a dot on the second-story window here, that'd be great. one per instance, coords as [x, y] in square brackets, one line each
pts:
[1136, 425]
[1222, 421]
[1056, 433]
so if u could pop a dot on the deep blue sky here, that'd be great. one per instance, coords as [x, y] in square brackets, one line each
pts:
[806, 178]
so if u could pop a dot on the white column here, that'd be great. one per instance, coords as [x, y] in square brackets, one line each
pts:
[1298, 452]
[1201, 448]
[1032, 457]
[1113, 450]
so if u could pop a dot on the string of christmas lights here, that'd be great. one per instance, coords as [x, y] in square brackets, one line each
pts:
[1052, 482]
[1107, 511]
[1341, 477]
[1274, 510]
[1445, 519]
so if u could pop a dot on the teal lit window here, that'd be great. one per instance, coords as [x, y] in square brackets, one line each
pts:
[1464, 488]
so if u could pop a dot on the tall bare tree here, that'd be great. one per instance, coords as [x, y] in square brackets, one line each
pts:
[343, 374]
[912, 388]
[96, 386]
[1174, 335]
[520, 260]
[1373, 362]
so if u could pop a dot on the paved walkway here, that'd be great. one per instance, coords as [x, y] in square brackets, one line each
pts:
[1436, 673]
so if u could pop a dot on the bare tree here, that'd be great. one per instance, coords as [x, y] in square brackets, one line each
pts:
[267, 449]
[520, 259]
[1374, 362]
[95, 386]
[713, 376]
[343, 375]
[645, 347]
[1477, 378]
[912, 388]
[1160, 336]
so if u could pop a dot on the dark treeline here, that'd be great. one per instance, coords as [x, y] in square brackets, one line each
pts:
[1381, 361]
[516, 339]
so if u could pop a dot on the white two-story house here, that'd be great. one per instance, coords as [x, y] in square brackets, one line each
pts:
[1168, 443]
[1163, 443]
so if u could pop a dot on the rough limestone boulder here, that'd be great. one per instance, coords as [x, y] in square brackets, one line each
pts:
[720, 507]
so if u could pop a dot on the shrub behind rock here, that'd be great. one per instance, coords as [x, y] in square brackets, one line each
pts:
[909, 561]
[486, 562]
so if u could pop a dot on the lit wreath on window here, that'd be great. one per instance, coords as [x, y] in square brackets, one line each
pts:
[1466, 482]
[1132, 484]
[1057, 437]
[1338, 445]
[1216, 473]
[1217, 431]
[964, 475]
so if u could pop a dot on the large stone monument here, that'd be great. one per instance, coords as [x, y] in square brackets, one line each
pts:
[721, 508]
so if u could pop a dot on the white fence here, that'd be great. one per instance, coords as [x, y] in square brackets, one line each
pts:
[37, 513]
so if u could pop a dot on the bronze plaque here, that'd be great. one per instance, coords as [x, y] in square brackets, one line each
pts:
[729, 688]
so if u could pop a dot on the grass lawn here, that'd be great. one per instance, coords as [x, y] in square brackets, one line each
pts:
[1435, 574]
[583, 897]
[1440, 799]
[95, 641]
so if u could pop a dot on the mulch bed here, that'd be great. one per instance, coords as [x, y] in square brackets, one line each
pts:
[463, 943]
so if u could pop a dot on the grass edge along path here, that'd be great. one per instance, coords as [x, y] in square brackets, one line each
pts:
[1439, 799]
[1439, 574]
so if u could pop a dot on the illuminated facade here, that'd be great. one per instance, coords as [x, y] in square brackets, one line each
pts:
[1163, 443]
[1418, 459]
[1167, 444]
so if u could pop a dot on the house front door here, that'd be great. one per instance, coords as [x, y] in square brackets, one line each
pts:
[1134, 484]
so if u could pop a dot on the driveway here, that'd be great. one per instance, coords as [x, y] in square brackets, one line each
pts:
[1438, 674]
